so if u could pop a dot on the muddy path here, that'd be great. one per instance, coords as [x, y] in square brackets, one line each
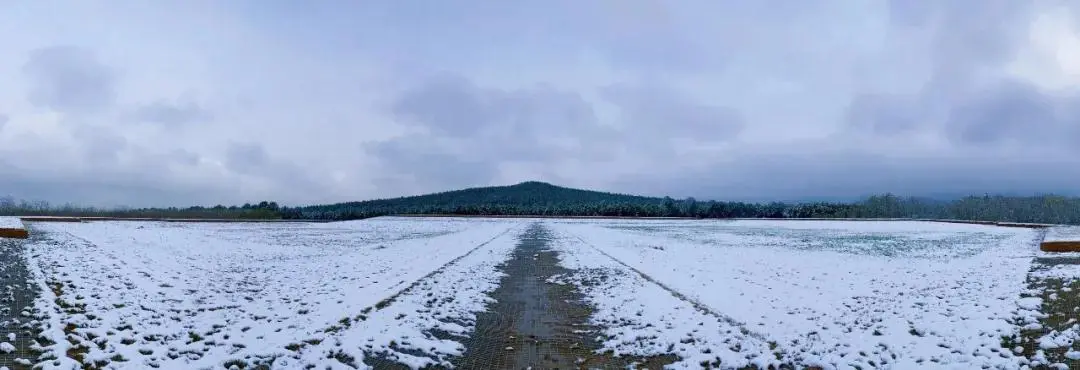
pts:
[1060, 300]
[17, 294]
[535, 324]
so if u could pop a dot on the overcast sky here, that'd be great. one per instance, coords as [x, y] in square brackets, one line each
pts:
[204, 102]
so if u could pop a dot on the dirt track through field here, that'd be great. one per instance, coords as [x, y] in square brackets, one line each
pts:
[532, 323]
[535, 324]
[17, 295]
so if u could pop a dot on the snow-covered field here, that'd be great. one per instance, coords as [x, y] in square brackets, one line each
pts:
[732, 293]
[10, 223]
[641, 318]
[835, 294]
[192, 296]
[1063, 234]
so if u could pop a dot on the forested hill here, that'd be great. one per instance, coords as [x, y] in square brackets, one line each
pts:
[527, 198]
[542, 199]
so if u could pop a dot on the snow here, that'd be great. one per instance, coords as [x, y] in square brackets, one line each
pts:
[640, 318]
[1063, 234]
[445, 301]
[193, 295]
[7, 222]
[840, 294]
[1063, 272]
[1060, 339]
[6, 347]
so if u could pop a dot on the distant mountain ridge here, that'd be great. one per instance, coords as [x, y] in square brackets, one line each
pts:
[525, 192]
[526, 198]
[534, 198]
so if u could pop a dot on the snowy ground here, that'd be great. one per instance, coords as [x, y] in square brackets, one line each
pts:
[732, 293]
[1054, 287]
[192, 296]
[10, 223]
[1063, 234]
[838, 294]
[641, 318]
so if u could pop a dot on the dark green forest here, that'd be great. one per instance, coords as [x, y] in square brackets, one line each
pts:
[542, 199]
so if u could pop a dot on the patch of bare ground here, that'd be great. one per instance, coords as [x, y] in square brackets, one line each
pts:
[17, 294]
[1061, 307]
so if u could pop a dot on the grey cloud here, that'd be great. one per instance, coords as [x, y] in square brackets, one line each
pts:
[793, 176]
[477, 129]
[653, 36]
[967, 39]
[184, 157]
[100, 144]
[417, 162]
[964, 40]
[472, 130]
[4, 119]
[970, 33]
[106, 190]
[151, 186]
[246, 158]
[660, 112]
[69, 79]
[252, 159]
[446, 104]
[885, 114]
[453, 106]
[1010, 112]
[170, 114]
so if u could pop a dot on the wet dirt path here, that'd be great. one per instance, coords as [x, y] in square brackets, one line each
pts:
[535, 324]
[532, 323]
[17, 294]
[1060, 301]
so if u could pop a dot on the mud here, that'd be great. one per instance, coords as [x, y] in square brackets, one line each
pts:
[1060, 299]
[533, 324]
[17, 294]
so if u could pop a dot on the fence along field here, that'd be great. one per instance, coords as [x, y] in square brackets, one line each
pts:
[410, 291]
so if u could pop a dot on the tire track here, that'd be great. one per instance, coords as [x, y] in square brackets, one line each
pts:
[693, 302]
[393, 297]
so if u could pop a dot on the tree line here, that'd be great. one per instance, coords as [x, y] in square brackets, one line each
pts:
[541, 199]
[9, 206]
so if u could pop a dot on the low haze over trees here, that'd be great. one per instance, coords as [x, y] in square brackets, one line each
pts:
[542, 199]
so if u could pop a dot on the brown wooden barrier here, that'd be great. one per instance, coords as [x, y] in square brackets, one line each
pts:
[1060, 246]
[14, 233]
